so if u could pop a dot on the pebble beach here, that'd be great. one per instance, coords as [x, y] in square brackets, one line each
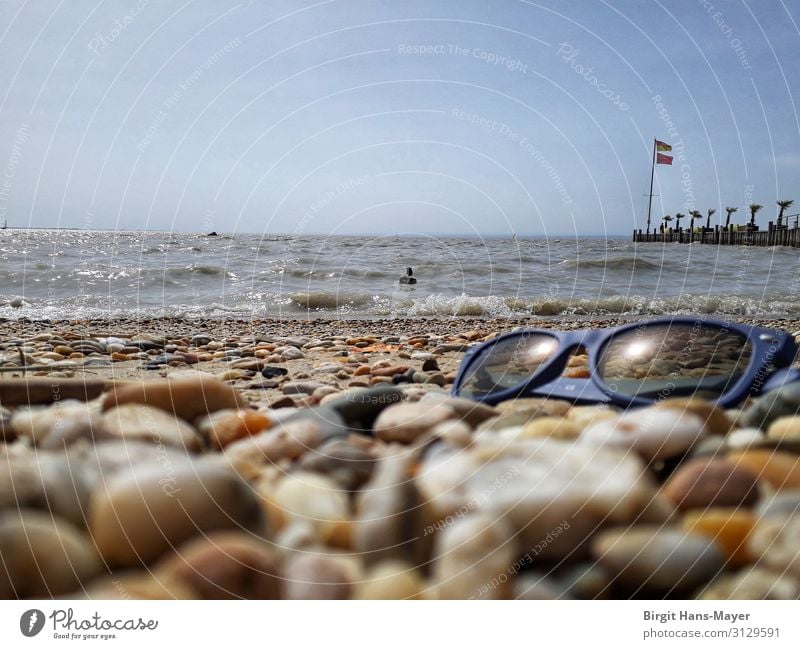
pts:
[325, 459]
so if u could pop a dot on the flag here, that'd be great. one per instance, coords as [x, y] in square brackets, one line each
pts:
[662, 159]
[662, 146]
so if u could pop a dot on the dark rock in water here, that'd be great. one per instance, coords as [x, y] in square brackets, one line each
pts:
[430, 365]
[272, 372]
[213, 233]
[408, 278]
[783, 402]
[360, 410]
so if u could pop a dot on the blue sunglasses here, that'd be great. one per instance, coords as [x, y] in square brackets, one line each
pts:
[632, 365]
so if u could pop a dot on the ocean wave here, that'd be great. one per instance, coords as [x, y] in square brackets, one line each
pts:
[325, 301]
[613, 263]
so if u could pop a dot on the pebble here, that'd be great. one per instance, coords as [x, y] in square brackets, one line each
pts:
[391, 580]
[703, 483]
[755, 583]
[779, 469]
[43, 556]
[727, 528]
[783, 402]
[272, 372]
[653, 433]
[586, 581]
[656, 561]
[389, 522]
[139, 514]
[430, 365]
[349, 465]
[317, 577]
[781, 504]
[714, 418]
[405, 422]
[547, 489]
[285, 441]
[46, 482]
[471, 413]
[224, 427]
[784, 428]
[555, 427]
[473, 558]
[187, 398]
[224, 565]
[290, 354]
[37, 423]
[135, 421]
[301, 387]
[774, 543]
[534, 407]
[307, 498]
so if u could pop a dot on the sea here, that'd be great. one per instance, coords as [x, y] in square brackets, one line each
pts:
[75, 274]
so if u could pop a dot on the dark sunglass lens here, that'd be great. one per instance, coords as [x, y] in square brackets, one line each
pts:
[507, 363]
[668, 360]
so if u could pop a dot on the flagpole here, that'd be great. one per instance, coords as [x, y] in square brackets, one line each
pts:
[652, 173]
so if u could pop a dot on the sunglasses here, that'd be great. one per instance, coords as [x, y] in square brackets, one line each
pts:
[631, 365]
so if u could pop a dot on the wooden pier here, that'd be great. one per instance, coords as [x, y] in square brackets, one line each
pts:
[785, 235]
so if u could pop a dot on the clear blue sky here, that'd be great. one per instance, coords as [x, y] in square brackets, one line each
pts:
[413, 116]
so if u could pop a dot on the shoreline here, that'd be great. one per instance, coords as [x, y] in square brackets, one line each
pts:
[377, 325]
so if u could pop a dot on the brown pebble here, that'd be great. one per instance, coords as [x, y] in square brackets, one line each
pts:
[405, 422]
[135, 421]
[390, 371]
[780, 469]
[715, 419]
[187, 398]
[728, 528]
[703, 483]
[42, 555]
[224, 427]
[224, 565]
[141, 513]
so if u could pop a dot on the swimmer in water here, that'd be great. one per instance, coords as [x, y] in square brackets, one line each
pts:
[408, 278]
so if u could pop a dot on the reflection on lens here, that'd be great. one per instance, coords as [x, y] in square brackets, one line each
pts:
[508, 363]
[665, 360]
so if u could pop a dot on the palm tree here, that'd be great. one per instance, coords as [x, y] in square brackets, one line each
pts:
[678, 218]
[711, 211]
[666, 220]
[696, 215]
[730, 210]
[754, 208]
[784, 205]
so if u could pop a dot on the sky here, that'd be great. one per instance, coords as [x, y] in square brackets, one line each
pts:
[394, 116]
